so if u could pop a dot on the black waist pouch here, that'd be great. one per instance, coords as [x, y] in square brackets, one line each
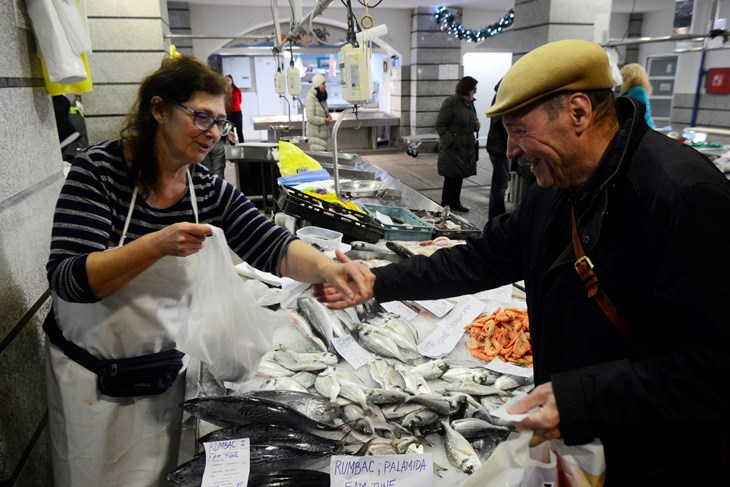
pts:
[142, 375]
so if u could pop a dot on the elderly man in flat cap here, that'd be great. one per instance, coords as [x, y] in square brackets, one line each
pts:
[623, 246]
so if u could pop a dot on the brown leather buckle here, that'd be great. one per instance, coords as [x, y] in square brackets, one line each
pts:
[583, 266]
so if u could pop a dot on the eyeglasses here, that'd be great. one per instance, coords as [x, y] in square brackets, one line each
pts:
[204, 121]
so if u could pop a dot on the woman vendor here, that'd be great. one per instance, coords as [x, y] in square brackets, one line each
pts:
[129, 213]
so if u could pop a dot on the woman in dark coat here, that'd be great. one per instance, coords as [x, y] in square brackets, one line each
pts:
[456, 124]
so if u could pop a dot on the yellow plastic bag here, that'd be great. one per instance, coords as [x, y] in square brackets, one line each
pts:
[332, 198]
[293, 160]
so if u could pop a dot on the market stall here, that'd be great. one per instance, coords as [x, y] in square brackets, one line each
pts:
[461, 382]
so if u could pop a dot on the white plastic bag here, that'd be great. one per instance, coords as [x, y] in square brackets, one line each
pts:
[226, 329]
[551, 464]
[63, 63]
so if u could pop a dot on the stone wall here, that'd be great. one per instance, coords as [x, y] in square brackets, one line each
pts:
[128, 43]
[31, 174]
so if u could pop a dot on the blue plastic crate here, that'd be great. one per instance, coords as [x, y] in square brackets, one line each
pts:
[412, 228]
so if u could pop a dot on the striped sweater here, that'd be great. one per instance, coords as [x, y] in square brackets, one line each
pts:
[94, 203]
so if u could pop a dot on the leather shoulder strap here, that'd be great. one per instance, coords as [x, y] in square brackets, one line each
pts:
[584, 268]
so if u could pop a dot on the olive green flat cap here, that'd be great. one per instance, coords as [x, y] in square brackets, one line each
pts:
[568, 65]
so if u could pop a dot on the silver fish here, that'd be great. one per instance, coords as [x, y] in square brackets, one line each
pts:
[310, 405]
[431, 370]
[401, 410]
[327, 384]
[420, 419]
[415, 383]
[458, 450]
[387, 396]
[507, 382]
[301, 324]
[306, 379]
[317, 316]
[378, 343]
[282, 384]
[471, 428]
[445, 406]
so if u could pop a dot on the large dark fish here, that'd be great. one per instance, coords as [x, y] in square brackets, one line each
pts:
[263, 460]
[268, 433]
[232, 410]
[295, 477]
[311, 405]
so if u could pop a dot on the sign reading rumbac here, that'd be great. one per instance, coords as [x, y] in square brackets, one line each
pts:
[382, 471]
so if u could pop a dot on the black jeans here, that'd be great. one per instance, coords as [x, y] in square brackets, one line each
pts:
[500, 179]
[451, 193]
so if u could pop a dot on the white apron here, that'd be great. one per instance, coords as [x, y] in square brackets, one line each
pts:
[97, 440]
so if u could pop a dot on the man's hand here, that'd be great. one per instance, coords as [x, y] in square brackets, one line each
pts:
[543, 423]
[346, 284]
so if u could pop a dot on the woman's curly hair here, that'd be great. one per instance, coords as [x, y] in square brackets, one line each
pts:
[176, 80]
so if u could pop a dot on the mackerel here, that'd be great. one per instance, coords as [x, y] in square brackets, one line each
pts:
[231, 410]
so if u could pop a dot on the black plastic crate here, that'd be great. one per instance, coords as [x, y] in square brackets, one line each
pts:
[466, 230]
[354, 225]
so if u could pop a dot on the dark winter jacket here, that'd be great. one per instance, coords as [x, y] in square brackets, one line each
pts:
[456, 124]
[497, 135]
[654, 220]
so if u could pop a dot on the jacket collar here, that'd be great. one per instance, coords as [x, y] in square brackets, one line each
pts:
[591, 204]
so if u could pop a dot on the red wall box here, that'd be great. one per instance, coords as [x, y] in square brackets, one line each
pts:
[718, 81]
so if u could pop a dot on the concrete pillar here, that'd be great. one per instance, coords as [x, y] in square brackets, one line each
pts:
[127, 39]
[31, 173]
[435, 69]
[538, 22]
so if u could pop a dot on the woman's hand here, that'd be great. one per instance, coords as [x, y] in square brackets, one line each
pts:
[181, 239]
[111, 270]
[543, 423]
[346, 284]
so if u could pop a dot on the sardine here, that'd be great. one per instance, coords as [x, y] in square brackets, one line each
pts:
[458, 450]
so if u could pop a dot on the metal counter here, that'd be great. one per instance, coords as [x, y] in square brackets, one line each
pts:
[359, 132]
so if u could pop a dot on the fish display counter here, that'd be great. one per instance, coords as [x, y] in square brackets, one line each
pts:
[381, 380]
[399, 378]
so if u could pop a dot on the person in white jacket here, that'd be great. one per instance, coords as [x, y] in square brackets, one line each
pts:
[319, 121]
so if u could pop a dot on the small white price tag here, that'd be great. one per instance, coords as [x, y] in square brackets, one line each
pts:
[351, 351]
[439, 307]
[502, 367]
[400, 309]
[450, 329]
[502, 294]
[227, 463]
